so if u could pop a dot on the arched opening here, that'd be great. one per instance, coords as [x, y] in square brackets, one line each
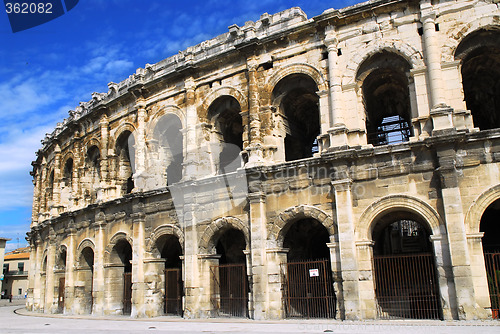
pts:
[171, 251]
[309, 284]
[298, 105]
[67, 182]
[92, 174]
[227, 126]
[406, 284]
[120, 272]
[386, 98]
[168, 134]
[230, 290]
[490, 225]
[125, 162]
[479, 53]
[60, 278]
[85, 276]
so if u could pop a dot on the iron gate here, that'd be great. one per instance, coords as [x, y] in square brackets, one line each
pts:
[60, 298]
[308, 289]
[173, 291]
[492, 263]
[127, 293]
[230, 290]
[406, 287]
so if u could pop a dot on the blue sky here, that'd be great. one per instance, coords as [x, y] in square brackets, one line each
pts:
[47, 70]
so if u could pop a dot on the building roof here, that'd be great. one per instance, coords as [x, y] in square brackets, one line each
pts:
[20, 253]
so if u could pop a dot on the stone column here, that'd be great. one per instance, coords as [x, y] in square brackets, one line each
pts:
[105, 173]
[366, 280]
[191, 159]
[37, 286]
[348, 258]
[77, 164]
[43, 190]
[50, 285]
[140, 176]
[454, 218]
[56, 187]
[99, 286]
[258, 237]
[37, 193]
[255, 147]
[207, 288]
[445, 277]
[138, 249]
[276, 271]
[421, 122]
[69, 295]
[337, 278]
[441, 113]
[478, 269]
[32, 274]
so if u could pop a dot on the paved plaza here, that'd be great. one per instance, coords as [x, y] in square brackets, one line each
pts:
[15, 319]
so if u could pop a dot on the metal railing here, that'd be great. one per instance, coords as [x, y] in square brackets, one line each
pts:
[492, 263]
[230, 290]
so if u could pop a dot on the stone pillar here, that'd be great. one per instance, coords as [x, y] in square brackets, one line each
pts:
[138, 249]
[69, 294]
[468, 307]
[32, 274]
[422, 125]
[37, 193]
[445, 277]
[50, 285]
[56, 187]
[191, 159]
[105, 172]
[140, 175]
[154, 279]
[479, 277]
[254, 149]
[37, 286]
[207, 287]
[99, 286]
[258, 237]
[337, 278]
[366, 281]
[348, 258]
[43, 191]
[276, 271]
[77, 164]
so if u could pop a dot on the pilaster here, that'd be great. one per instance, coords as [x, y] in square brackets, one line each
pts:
[99, 286]
[138, 250]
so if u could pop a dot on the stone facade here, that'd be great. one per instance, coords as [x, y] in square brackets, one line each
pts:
[342, 124]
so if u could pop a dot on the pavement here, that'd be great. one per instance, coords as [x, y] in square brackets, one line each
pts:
[16, 319]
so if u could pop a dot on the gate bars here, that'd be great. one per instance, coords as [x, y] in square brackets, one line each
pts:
[173, 291]
[230, 290]
[406, 287]
[308, 289]
[492, 263]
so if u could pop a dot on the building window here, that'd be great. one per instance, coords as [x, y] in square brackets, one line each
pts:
[20, 266]
[20, 291]
[5, 268]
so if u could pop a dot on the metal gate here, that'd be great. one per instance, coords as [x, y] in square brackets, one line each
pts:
[60, 298]
[173, 291]
[406, 287]
[127, 293]
[492, 263]
[308, 289]
[230, 290]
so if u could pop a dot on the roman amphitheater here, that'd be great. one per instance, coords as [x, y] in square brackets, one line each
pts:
[343, 166]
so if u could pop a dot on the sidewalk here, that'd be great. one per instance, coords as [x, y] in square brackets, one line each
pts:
[5, 302]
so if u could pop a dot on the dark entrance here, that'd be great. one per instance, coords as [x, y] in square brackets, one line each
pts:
[308, 290]
[170, 250]
[60, 298]
[121, 256]
[127, 293]
[490, 225]
[405, 274]
[230, 288]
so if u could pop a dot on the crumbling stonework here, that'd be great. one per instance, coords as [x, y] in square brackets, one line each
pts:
[253, 147]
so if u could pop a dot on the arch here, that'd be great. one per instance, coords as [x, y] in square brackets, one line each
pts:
[297, 68]
[92, 142]
[456, 35]
[478, 206]
[282, 223]
[119, 131]
[157, 116]
[408, 52]
[167, 229]
[117, 237]
[220, 92]
[207, 240]
[84, 244]
[368, 218]
[65, 158]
